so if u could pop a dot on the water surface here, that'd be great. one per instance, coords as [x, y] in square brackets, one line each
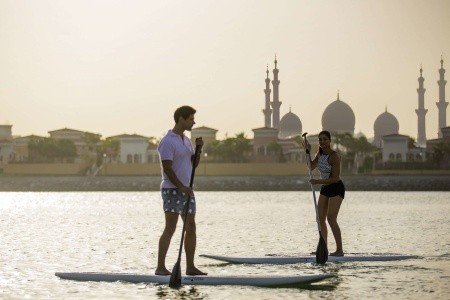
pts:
[45, 232]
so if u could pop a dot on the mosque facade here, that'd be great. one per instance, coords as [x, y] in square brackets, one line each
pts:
[277, 132]
[339, 118]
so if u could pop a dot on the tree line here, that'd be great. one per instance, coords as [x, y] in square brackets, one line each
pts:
[236, 149]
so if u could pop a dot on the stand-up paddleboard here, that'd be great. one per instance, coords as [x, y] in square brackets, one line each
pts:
[280, 260]
[264, 281]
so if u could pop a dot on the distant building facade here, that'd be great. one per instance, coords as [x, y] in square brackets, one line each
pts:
[133, 149]
[395, 147]
[206, 133]
[21, 150]
[85, 142]
[6, 144]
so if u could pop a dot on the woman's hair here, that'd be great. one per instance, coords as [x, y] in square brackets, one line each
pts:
[327, 134]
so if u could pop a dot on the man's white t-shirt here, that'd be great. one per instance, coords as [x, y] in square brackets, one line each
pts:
[179, 150]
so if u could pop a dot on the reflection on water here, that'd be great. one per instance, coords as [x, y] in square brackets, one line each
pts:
[184, 292]
[118, 232]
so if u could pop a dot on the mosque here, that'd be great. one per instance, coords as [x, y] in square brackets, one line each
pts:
[338, 117]
[281, 134]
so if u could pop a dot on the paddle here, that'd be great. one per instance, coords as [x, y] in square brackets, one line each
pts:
[175, 277]
[322, 250]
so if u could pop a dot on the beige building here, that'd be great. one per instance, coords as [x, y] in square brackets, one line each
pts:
[206, 133]
[21, 151]
[395, 147]
[134, 149]
[6, 144]
[85, 142]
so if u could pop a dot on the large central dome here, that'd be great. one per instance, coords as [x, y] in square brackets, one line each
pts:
[385, 124]
[290, 126]
[338, 117]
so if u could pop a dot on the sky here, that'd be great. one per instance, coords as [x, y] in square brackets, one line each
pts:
[114, 67]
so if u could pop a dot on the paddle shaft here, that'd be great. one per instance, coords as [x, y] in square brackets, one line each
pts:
[308, 162]
[322, 250]
[175, 279]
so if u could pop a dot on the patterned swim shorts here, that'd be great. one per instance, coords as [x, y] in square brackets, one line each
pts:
[175, 201]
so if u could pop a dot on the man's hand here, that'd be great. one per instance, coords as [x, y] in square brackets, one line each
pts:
[199, 142]
[187, 190]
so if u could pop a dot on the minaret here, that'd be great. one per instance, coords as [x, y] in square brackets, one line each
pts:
[442, 105]
[421, 112]
[276, 100]
[267, 111]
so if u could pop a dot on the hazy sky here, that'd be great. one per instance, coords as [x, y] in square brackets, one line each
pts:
[114, 67]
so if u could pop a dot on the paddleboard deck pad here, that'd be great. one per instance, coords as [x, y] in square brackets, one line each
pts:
[280, 260]
[264, 281]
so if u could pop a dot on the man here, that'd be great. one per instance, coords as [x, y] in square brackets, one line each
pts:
[176, 154]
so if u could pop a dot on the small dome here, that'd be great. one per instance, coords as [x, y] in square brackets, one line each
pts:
[290, 125]
[385, 124]
[338, 117]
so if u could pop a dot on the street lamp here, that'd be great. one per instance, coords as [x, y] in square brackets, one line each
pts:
[421, 161]
[104, 162]
[204, 165]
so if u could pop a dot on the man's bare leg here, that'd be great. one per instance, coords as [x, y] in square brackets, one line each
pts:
[171, 220]
[190, 245]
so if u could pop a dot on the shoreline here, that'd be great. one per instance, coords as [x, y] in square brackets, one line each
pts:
[220, 183]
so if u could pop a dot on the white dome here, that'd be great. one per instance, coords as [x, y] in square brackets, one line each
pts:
[338, 117]
[290, 125]
[385, 124]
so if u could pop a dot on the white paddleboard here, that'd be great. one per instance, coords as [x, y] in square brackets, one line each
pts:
[280, 260]
[266, 281]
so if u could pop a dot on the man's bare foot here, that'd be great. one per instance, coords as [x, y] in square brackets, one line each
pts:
[194, 271]
[337, 253]
[162, 271]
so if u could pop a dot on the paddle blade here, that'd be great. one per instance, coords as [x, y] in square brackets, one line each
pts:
[322, 251]
[175, 277]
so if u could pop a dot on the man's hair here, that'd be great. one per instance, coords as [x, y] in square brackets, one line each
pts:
[184, 112]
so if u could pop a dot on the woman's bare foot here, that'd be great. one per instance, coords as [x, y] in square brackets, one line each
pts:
[162, 271]
[194, 271]
[337, 253]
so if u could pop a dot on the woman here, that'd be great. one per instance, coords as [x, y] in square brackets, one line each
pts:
[332, 191]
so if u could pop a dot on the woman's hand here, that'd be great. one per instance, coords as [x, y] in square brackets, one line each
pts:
[307, 146]
[313, 181]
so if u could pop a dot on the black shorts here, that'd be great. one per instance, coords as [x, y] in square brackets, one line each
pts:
[333, 190]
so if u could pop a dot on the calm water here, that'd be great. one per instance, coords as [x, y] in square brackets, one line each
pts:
[118, 232]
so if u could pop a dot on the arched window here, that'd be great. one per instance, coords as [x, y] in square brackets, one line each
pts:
[261, 150]
[391, 156]
[398, 157]
[129, 159]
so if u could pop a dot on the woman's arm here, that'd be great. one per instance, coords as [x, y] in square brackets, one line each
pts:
[315, 161]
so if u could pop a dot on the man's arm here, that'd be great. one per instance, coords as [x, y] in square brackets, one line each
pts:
[167, 168]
